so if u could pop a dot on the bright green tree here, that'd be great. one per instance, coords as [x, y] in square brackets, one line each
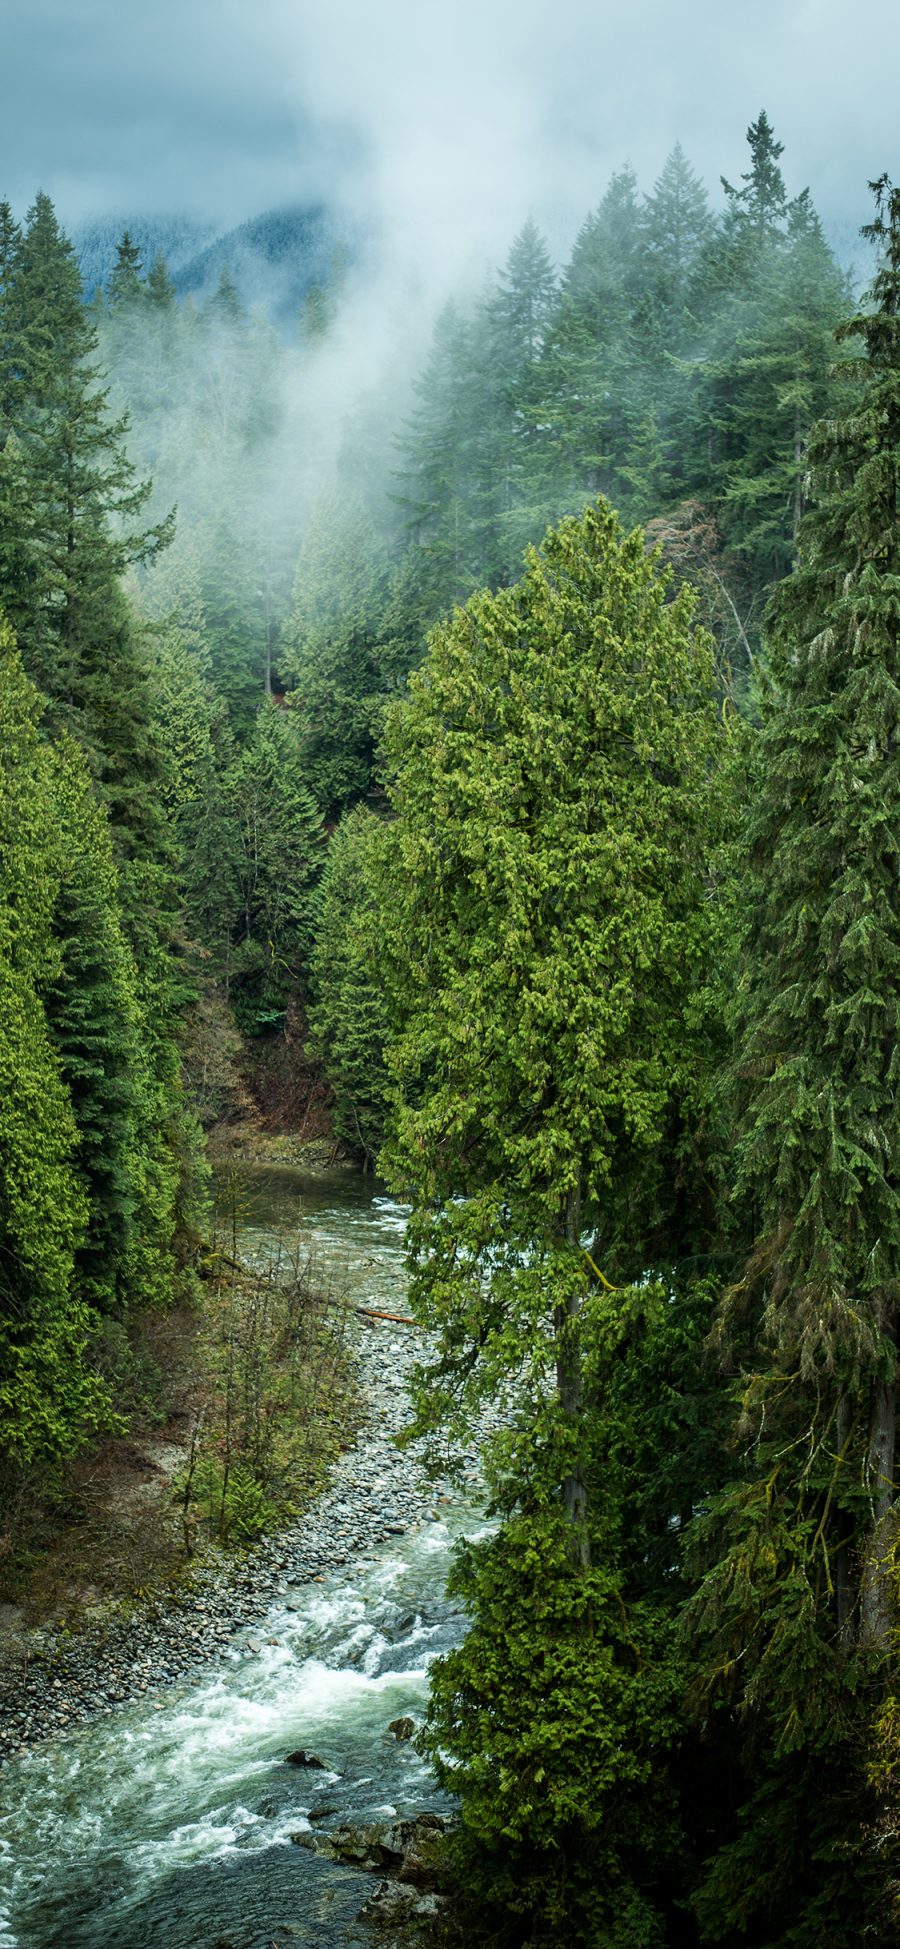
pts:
[49, 1400]
[554, 784]
[94, 1019]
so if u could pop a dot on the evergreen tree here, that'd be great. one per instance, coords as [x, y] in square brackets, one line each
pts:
[332, 649]
[10, 375]
[198, 752]
[519, 461]
[278, 865]
[316, 316]
[756, 211]
[49, 1400]
[159, 289]
[92, 1011]
[676, 226]
[126, 286]
[435, 477]
[594, 397]
[764, 374]
[225, 302]
[800, 1598]
[349, 1019]
[124, 330]
[547, 918]
[115, 1006]
[80, 499]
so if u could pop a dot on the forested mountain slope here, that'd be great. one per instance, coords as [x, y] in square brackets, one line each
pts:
[274, 259]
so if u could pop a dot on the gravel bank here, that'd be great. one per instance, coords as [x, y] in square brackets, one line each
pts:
[50, 1680]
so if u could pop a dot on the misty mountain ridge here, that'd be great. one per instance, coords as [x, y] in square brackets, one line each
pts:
[176, 238]
[273, 259]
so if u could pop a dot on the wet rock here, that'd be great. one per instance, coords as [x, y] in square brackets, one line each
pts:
[301, 1758]
[402, 1728]
[395, 1901]
[409, 1848]
[422, 1851]
[358, 1847]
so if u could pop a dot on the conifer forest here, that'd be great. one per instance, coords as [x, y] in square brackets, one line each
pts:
[510, 806]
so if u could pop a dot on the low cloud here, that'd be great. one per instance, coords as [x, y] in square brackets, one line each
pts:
[446, 126]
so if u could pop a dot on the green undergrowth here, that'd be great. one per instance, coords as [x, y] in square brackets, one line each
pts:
[229, 1412]
[278, 1401]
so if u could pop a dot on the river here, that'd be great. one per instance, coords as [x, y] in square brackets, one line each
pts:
[170, 1823]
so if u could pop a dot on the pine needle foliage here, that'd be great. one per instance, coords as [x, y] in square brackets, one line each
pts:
[799, 1601]
[548, 908]
[49, 1399]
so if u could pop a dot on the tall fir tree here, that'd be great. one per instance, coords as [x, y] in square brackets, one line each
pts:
[126, 285]
[279, 859]
[756, 210]
[435, 477]
[334, 651]
[769, 295]
[350, 1020]
[80, 493]
[799, 1606]
[94, 1019]
[677, 225]
[593, 398]
[49, 1400]
[519, 459]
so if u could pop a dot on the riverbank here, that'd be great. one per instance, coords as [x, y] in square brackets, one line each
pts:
[51, 1680]
[118, 1526]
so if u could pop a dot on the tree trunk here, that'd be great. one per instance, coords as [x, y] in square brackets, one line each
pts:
[569, 1389]
[843, 1590]
[798, 478]
[875, 1624]
[268, 622]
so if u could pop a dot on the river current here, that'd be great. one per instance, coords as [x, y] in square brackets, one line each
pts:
[170, 1823]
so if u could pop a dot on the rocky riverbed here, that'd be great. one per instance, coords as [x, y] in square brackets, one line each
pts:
[52, 1679]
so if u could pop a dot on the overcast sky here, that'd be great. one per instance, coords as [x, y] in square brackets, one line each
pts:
[449, 121]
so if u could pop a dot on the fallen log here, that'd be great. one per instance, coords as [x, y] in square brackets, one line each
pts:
[399, 1319]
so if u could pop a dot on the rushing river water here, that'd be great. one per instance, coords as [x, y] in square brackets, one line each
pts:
[170, 1823]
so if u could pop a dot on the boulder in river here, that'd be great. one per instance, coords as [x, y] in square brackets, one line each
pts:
[395, 1901]
[402, 1728]
[301, 1758]
[407, 1848]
